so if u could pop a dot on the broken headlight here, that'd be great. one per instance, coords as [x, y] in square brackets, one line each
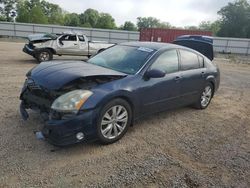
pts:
[71, 101]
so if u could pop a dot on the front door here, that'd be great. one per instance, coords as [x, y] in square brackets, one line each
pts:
[162, 93]
[67, 44]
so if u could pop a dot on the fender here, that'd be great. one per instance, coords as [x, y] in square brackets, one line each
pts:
[212, 80]
[101, 97]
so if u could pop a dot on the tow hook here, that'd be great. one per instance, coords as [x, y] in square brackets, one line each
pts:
[39, 135]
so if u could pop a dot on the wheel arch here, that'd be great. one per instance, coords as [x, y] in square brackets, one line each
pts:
[129, 101]
[211, 80]
[123, 96]
[52, 50]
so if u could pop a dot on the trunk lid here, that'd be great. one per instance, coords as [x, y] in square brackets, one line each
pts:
[202, 44]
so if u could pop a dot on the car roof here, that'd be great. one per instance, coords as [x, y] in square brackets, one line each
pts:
[152, 45]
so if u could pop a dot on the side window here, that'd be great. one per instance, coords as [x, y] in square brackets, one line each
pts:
[167, 62]
[64, 38]
[72, 38]
[201, 61]
[189, 60]
[81, 38]
[68, 38]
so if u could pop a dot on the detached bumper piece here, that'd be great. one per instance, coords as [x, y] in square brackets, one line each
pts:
[23, 111]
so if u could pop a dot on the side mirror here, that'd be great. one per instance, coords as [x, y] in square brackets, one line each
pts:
[154, 73]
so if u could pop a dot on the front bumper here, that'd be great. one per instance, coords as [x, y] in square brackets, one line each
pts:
[63, 132]
[28, 50]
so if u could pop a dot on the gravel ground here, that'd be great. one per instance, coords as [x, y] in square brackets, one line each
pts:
[179, 148]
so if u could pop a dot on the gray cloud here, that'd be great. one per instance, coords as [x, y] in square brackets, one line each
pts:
[178, 13]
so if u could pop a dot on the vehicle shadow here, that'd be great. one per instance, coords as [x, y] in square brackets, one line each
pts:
[28, 61]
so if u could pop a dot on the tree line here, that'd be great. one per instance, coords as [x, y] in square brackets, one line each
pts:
[234, 18]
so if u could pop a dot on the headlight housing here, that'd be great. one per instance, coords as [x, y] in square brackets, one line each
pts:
[71, 101]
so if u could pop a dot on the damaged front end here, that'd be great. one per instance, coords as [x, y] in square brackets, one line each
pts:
[40, 99]
[30, 48]
[61, 127]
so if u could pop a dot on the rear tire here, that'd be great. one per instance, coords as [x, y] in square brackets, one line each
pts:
[205, 97]
[44, 55]
[114, 120]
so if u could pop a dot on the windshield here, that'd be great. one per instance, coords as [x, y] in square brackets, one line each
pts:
[126, 59]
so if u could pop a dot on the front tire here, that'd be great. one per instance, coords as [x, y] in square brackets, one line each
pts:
[205, 97]
[114, 120]
[44, 55]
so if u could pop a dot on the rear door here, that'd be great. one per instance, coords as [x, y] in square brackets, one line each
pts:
[83, 45]
[193, 75]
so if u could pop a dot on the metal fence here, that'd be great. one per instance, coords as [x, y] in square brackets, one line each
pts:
[232, 45]
[24, 29]
[222, 45]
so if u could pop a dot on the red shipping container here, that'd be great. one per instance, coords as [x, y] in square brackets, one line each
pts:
[168, 35]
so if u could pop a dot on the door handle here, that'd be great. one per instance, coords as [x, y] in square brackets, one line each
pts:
[177, 78]
[203, 74]
[75, 44]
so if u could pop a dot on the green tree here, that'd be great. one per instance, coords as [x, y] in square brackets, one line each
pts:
[72, 19]
[151, 22]
[23, 12]
[31, 12]
[37, 15]
[147, 22]
[36, 11]
[106, 21]
[129, 26]
[165, 25]
[214, 27]
[2, 18]
[89, 18]
[192, 27]
[6, 9]
[235, 20]
[205, 25]
[53, 12]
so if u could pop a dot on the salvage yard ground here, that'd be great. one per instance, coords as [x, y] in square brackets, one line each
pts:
[180, 148]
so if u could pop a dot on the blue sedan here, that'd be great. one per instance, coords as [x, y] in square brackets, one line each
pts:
[101, 98]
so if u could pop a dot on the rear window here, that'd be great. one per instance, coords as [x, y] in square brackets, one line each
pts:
[81, 38]
[68, 38]
[189, 60]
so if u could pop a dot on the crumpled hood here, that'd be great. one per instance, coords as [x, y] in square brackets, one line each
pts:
[55, 74]
[41, 37]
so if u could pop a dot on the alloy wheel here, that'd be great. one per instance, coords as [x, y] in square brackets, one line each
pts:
[114, 121]
[206, 96]
[44, 56]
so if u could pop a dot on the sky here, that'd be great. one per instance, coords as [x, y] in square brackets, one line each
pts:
[178, 13]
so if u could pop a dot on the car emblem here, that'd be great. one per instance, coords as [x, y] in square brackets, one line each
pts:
[32, 85]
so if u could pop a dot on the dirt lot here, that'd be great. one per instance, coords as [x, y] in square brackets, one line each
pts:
[180, 148]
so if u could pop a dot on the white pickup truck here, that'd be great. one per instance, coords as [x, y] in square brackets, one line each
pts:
[44, 46]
